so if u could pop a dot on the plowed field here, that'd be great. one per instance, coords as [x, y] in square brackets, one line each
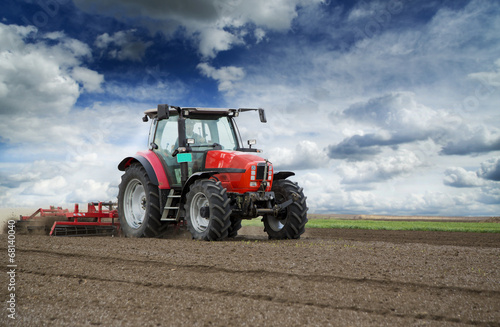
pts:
[329, 277]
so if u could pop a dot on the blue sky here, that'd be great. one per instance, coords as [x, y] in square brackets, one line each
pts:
[382, 107]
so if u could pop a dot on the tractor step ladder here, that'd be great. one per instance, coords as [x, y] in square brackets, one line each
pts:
[168, 206]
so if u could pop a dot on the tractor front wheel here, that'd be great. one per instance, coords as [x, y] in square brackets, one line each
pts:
[207, 210]
[139, 204]
[290, 222]
[235, 227]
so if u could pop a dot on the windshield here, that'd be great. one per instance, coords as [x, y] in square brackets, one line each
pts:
[207, 132]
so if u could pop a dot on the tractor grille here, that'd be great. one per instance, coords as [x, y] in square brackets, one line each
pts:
[260, 171]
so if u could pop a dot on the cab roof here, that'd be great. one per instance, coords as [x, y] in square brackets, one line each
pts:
[152, 113]
[187, 111]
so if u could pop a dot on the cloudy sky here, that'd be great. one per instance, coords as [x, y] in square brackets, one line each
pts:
[383, 107]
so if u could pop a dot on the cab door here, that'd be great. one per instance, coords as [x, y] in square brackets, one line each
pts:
[165, 138]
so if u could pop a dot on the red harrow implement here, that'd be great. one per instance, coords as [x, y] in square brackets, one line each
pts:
[98, 220]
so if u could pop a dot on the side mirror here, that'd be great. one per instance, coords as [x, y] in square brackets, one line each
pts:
[163, 111]
[262, 115]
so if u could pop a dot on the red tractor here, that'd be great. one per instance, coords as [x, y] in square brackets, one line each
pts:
[196, 170]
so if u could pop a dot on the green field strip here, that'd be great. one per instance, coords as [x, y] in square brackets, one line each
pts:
[471, 227]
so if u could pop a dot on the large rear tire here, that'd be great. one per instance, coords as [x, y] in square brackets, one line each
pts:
[290, 222]
[139, 204]
[207, 210]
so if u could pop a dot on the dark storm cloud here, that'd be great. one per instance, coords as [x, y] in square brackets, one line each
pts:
[359, 147]
[490, 170]
[356, 147]
[377, 110]
[351, 149]
[473, 145]
[180, 9]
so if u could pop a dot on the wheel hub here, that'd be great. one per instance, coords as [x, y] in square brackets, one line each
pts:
[276, 223]
[135, 203]
[199, 212]
[205, 212]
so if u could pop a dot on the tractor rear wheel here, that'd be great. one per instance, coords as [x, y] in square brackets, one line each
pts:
[138, 204]
[290, 222]
[207, 210]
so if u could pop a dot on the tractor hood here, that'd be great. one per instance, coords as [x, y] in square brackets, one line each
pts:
[230, 159]
[239, 170]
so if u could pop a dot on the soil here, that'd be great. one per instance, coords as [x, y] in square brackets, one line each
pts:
[329, 277]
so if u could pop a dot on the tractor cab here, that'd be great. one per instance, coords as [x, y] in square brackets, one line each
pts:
[197, 171]
[201, 129]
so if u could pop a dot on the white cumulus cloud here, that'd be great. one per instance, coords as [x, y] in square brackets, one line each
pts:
[305, 155]
[90, 79]
[46, 187]
[40, 81]
[225, 76]
[459, 177]
[382, 168]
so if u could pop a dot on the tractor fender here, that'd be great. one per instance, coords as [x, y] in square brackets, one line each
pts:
[283, 175]
[151, 164]
[192, 179]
